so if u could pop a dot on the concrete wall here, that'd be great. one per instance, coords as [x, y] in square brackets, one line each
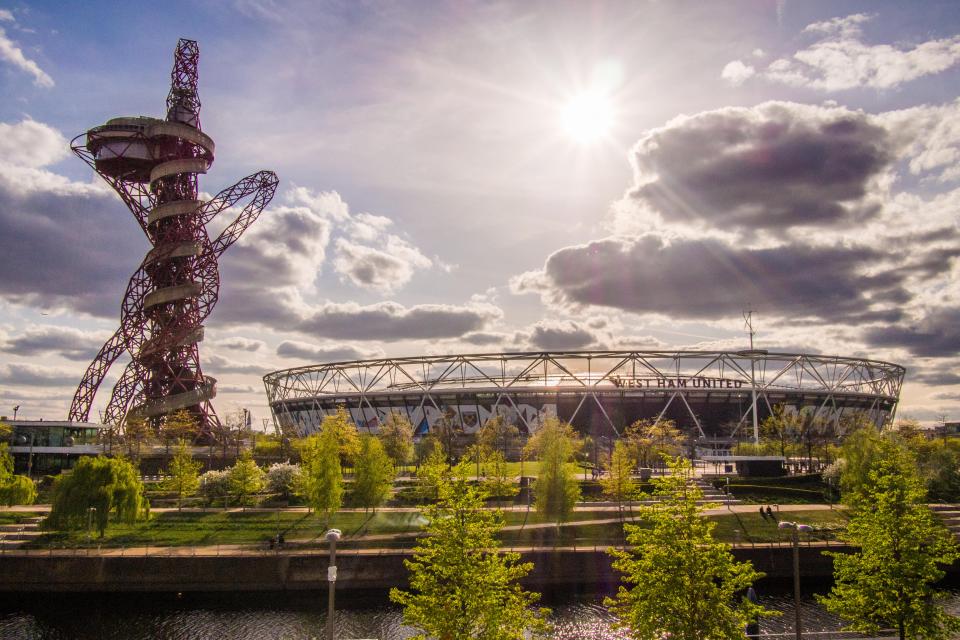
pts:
[566, 569]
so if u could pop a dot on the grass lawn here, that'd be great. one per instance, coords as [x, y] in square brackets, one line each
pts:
[16, 517]
[750, 527]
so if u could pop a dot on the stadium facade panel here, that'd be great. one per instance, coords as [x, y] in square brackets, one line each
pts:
[709, 394]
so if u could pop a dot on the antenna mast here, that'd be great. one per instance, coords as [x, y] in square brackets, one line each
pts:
[748, 325]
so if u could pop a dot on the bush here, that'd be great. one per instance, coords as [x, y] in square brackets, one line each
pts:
[18, 490]
[215, 485]
[282, 477]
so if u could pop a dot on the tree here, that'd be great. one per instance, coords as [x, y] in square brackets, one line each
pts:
[654, 440]
[14, 489]
[344, 430]
[498, 483]
[373, 474]
[245, 477]
[136, 431]
[184, 473]
[619, 484]
[679, 581]
[6, 432]
[431, 473]
[321, 479]
[461, 588]
[283, 478]
[396, 432]
[497, 434]
[556, 489]
[179, 425]
[107, 485]
[889, 581]
[215, 485]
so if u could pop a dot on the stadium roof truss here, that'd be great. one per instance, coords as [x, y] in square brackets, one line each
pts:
[675, 374]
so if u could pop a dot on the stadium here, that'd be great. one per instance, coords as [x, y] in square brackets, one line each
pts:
[710, 395]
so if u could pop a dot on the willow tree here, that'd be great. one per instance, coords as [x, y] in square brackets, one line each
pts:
[109, 486]
[679, 582]
[14, 489]
[461, 587]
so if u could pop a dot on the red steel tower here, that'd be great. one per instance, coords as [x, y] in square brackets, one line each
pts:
[153, 165]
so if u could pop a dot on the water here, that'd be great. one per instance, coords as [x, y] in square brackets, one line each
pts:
[300, 616]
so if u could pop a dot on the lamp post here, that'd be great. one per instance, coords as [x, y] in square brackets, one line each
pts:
[796, 528]
[332, 536]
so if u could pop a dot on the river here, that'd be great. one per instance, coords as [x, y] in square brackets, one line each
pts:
[300, 616]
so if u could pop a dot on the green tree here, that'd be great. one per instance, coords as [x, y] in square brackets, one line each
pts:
[497, 434]
[179, 425]
[556, 489]
[136, 432]
[108, 485]
[6, 432]
[619, 484]
[344, 429]
[431, 473]
[14, 489]
[373, 474]
[678, 579]
[497, 482]
[321, 479]
[246, 477]
[396, 432]
[889, 581]
[461, 588]
[655, 440]
[183, 472]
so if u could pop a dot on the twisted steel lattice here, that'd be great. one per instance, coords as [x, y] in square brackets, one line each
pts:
[153, 165]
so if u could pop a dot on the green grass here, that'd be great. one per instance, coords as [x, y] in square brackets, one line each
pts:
[16, 517]
[750, 527]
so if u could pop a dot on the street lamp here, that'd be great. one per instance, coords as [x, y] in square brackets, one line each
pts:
[332, 536]
[796, 528]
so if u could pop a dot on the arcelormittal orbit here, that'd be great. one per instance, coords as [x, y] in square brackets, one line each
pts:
[154, 165]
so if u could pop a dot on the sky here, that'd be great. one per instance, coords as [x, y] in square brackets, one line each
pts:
[467, 177]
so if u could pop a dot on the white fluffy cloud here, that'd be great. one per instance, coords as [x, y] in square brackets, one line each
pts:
[840, 59]
[13, 54]
[736, 72]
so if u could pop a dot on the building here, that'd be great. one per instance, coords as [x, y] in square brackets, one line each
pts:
[42, 447]
[717, 397]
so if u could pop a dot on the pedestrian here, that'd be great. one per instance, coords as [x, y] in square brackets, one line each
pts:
[770, 514]
[763, 514]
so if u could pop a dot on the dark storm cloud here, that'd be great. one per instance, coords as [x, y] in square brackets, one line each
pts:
[389, 321]
[773, 166]
[322, 352]
[710, 279]
[556, 337]
[69, 343]
[936, 335]
[936, 377]
[59, 247]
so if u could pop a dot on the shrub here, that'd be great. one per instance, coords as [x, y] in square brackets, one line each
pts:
[282, 477]
[215, 485]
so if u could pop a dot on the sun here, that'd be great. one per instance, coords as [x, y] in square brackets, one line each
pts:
[587, 117]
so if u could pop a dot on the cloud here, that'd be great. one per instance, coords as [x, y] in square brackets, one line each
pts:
[773, 166]
[72, 344]
[36, 376]
[233, 388]
[558, 336]
[840, 59]
[385, 269]
[10, 52]
[239, 343]
[62, 244]
[391, 321]
[736, 72]
[327, 352]
[711, 279]
[935, 335]
[31, 144]
[218, 365]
